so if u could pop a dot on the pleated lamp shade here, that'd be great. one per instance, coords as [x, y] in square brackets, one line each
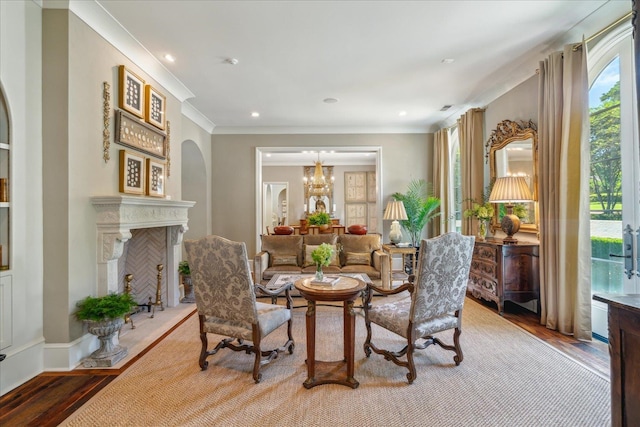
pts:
[509, 189]
[395, 211]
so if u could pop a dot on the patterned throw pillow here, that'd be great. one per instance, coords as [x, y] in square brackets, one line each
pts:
[308, 261]
[358, 258]
[285, 260]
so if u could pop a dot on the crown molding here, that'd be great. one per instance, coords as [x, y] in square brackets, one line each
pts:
[96, 17]
[190, 112]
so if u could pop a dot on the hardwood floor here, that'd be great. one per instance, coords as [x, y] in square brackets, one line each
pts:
[51, 397]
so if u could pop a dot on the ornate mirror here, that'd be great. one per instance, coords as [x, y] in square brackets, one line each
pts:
[512, 149]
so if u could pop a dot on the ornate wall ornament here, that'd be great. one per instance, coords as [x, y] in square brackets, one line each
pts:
[113, 245]
[106, 116]
[168, 141]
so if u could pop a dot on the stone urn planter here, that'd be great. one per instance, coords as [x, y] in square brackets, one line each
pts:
[109, 353]
[104, 317]
[185, 275]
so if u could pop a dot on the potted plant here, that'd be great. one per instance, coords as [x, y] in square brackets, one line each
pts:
[185, 274]
[421, 207]
[104, 317]
[320, 219]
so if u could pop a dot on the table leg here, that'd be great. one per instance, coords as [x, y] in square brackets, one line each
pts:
[310, 322]
[349, 342]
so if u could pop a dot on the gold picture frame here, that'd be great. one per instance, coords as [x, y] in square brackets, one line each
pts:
[156, 178]
[154, 107]
[132, 172]
[134, 133]
[131, 92]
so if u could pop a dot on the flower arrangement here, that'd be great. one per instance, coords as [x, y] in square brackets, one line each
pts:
[483, 212]
[322, 254]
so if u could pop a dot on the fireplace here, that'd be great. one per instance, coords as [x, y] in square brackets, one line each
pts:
[163, 222]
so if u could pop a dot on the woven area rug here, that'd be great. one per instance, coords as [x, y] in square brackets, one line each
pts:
[507, 378]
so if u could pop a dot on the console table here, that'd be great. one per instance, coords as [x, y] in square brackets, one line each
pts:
[346, 290]
[501, 272]
[624, 349]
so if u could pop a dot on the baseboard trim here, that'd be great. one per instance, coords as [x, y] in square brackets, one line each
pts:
[61, 357]
[21, 364]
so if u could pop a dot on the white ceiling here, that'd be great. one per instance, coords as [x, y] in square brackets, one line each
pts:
[376, 57]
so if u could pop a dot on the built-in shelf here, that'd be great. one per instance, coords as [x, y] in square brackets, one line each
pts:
[5, 205]
[4, 146]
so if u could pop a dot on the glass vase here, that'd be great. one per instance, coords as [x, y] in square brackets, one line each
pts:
[482, 230]
[319, 273]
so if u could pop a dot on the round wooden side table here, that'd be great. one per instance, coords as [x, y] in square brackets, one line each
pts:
[347, 289]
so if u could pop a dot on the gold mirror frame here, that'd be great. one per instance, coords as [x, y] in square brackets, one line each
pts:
[507, 132]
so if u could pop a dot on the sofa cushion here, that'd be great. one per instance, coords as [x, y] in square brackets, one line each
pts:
[358, 244]
[318, 239]
[357, 258]
[282, 245]
[308, 260]
[289, 259]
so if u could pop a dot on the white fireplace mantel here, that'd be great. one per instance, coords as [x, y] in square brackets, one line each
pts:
[118, 215]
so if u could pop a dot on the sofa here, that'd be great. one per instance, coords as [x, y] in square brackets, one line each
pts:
[291, 254]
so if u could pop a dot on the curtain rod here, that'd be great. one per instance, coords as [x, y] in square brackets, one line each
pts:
[602, 31]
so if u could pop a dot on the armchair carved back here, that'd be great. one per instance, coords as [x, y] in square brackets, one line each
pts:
[443, 272]
[222, 279]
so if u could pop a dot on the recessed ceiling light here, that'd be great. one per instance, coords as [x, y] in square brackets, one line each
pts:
[255, 114]
[402, 113]
[448, 60]
[330, 100]
[169, 57]
[445, 107]
[232, 61]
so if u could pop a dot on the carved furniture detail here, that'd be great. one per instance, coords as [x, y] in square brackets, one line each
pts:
[502, 272]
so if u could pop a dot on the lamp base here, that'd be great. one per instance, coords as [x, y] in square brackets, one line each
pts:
[510, 225]
[395, 233]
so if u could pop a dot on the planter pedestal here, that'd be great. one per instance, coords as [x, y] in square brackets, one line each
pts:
[108, 354]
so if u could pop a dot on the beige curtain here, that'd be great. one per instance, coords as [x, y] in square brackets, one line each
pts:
[563, 183]
[470, 131]
[442, 184]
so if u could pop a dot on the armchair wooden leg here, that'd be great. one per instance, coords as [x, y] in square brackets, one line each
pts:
[203, 353]
[410, 364]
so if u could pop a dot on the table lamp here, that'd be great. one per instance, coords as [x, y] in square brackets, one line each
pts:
[395, 211]
[507, 190]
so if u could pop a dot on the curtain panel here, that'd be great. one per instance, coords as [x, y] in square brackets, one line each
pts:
[563, 183]
[471, 134]
[442, 183]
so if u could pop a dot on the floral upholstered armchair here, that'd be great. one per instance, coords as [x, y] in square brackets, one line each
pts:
[434, 304]
[226, 301]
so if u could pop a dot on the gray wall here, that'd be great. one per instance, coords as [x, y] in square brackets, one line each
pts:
[404, 157]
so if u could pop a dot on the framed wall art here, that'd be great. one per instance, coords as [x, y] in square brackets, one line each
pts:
[132, 167]
[155, 178]
[154, 107]
[355, 187]
[132, 132]
[131, 92]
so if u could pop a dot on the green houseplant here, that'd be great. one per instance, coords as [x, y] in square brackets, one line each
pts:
[104, 317]
[319, 218]
[185, 273]
[421, 207]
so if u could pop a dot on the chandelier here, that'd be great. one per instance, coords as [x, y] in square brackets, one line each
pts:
[318, 186]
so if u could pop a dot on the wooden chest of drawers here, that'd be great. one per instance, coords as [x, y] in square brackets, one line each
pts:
[502, 272]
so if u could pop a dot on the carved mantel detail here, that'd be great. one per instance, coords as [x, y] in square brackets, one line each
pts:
[116, 216]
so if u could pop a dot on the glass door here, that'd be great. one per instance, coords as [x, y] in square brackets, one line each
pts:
[615, 175]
